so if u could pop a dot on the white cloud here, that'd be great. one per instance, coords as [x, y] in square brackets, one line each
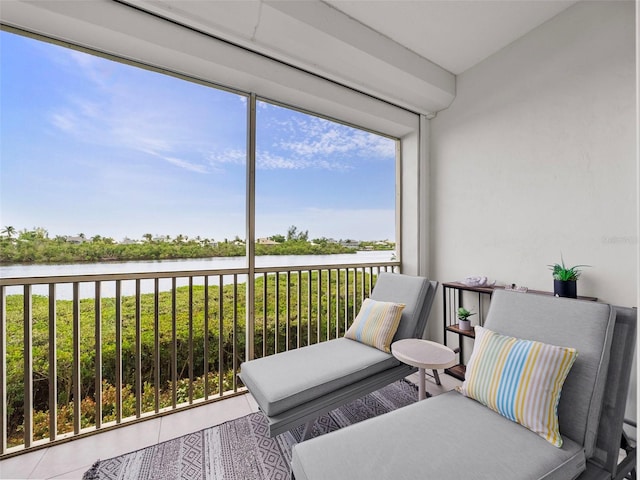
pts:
[64, 121]
[316, 137]
[110, 115]
[194, 167]
[117, 116]
[227, 157]
[266, 160]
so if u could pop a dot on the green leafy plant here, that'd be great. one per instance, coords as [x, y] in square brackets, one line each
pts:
[464, 314]
[562, 272]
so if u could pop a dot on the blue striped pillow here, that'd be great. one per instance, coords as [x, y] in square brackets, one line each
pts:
[520, 379]
[376, 324]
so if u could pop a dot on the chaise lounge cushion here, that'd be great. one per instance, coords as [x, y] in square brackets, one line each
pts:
[437, 438]
[281, 382]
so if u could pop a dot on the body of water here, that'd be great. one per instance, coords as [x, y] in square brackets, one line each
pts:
[64, 291]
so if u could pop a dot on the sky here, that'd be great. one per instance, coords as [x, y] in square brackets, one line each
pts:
[93, 146]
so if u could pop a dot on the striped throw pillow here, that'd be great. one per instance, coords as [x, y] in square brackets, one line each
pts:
[520, 379]
[376, 324]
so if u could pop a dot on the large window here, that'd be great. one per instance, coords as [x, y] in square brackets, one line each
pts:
[94, 149]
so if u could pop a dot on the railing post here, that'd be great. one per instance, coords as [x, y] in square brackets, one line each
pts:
[3, 370]
[205, 355]
[53, 369]
[156, 344]
[190, 342]
[28, 367]
[299, 310]
[98, 358]
[220, 335]
[234, 333]
[118, 366]
[174, 344]
[76, 374]
[138, 350]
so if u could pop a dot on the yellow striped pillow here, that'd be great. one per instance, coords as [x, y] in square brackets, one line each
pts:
[376, 324]
[520, 379]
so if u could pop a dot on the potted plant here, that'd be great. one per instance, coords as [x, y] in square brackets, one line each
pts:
[463, 319]
[565, 278]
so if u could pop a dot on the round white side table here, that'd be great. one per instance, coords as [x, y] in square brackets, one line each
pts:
[424, 354]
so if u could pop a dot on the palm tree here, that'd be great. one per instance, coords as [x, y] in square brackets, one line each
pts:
[9, 231]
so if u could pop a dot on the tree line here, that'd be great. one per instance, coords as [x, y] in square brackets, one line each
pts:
[36, 246]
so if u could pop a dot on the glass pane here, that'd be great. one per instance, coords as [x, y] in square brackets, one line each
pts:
[328, 186]
[93, 149]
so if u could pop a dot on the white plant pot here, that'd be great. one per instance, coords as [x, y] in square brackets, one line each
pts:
[464, 324]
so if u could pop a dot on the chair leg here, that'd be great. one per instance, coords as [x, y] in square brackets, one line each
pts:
[307, 431]
[436, 377]
[627, 468]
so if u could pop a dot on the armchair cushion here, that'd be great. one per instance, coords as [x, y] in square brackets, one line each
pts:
[519, 379]
[376, 324]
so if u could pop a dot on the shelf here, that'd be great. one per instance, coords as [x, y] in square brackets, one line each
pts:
[490, 290]
[457, 371]
[462, 286]
[459, 331]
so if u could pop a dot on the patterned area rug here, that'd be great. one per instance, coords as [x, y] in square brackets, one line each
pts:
[241, 449]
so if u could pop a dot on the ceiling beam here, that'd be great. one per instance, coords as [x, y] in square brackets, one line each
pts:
[316, 37]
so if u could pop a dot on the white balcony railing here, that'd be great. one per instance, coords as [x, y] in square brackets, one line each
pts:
[140, 345]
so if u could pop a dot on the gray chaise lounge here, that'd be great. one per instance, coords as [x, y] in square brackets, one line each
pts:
[297, 386]
[454, 437]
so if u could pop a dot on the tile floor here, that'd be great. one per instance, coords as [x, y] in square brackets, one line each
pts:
[70, 460]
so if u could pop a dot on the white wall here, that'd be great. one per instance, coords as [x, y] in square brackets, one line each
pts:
[537, 157]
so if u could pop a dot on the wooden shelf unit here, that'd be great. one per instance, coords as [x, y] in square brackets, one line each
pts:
[452, 295]
[452, 300]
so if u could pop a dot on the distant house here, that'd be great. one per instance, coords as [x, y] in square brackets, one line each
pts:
[266, 241]
[352, 243]
[75, 239]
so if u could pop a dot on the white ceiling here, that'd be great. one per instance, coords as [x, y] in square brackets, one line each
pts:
[454, 34]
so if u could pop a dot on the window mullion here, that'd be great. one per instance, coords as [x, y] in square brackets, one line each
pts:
[250, 228]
